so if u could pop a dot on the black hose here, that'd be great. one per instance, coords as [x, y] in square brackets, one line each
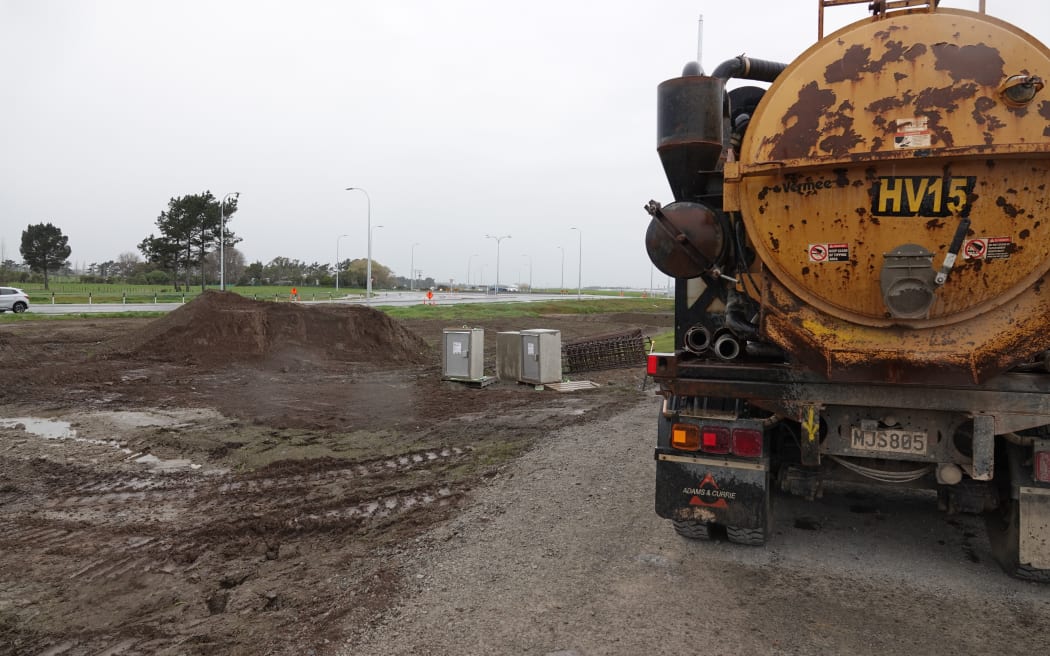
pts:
[736, 316]
[749, 69]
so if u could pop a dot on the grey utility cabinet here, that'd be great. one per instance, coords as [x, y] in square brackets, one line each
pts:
[540, 356]
[508, 355]
[464, 353]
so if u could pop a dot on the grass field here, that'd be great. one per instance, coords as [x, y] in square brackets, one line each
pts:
[75, 292]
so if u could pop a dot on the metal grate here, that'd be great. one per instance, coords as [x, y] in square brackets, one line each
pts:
[610, 351]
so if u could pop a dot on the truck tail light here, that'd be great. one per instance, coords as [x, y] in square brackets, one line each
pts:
[747, 442]
[1041, 467]
[714, 439]
[652, 363]
[685, 437]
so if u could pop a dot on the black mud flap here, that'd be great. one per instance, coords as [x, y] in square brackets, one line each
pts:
[712, 490]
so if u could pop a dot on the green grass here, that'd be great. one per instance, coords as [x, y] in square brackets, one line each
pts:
[9, 317]
[63, 292]
[664, 342]
[479, 311]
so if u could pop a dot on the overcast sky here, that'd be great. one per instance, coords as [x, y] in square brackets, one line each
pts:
[460, 118]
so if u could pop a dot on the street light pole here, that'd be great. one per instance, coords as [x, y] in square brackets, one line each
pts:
[337, 260]
[530, 272]
[498, 240]
[562, 268]
[222, 238]
[468, 267]
[579, 270]
[368, 270]
[412, 269]
[370, 235]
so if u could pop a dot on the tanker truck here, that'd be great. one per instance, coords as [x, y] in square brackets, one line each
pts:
[861, 253]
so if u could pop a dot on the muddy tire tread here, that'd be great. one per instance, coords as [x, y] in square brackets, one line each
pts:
[692, 530]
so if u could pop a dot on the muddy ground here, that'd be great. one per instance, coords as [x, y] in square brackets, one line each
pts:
[234, 477]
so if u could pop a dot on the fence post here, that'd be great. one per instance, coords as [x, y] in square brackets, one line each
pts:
[154, 298]
[124, 301]
[52, 298]
[89, 298]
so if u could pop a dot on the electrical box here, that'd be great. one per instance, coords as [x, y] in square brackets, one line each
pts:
[540, 356]
[464, 353]
[508, 355]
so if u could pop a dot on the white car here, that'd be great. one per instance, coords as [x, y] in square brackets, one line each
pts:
[13, 299]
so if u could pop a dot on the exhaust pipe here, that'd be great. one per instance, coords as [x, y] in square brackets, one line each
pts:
[727, 346]
[697, 339]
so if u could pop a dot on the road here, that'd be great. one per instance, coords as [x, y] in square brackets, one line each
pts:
[562, 555]
[381, 298]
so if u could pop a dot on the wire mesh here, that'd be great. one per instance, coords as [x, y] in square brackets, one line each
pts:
[608, 351]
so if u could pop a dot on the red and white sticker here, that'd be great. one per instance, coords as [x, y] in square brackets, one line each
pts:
[975, 249]
[829, 252]
[987, 248]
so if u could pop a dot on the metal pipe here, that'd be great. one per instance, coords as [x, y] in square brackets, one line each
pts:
[749, 69]
[697, 339]
[727, 346]
[763, 350]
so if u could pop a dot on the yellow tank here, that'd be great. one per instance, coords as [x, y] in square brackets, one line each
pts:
[894, 186]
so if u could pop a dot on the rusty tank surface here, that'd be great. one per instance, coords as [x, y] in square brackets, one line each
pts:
[861, 254]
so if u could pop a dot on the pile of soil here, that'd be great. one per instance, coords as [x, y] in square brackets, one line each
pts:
[223, 327]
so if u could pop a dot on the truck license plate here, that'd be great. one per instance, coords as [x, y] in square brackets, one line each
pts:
[890, 440]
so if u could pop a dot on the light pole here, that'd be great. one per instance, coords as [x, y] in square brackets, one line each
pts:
[222, 238]
[498, 240]
[562, 268]
[530, 271]
[368, 269]
[579, 270]
[412, 269]
[370, 239]
[337, 260]
[468, 267]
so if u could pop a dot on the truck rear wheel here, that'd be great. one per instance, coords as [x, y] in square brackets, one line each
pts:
[1004, 534]
[693, 530]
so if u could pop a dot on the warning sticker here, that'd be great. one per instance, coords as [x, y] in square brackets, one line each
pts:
[999, 248]
[987, 248]
[829, 252]
[912, 132]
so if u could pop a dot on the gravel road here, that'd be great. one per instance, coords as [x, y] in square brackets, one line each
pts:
[561, 554]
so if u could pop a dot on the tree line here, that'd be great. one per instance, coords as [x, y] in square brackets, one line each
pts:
[185, 251]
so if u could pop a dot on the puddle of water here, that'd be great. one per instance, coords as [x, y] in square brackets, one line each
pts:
[56, 429]
[48, 428]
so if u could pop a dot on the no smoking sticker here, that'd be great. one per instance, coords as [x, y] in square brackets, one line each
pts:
[829, 252]
[975, 249]
[987, 248]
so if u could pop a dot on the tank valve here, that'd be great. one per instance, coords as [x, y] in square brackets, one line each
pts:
[907, 280]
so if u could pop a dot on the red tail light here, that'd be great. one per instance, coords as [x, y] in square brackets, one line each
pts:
[650, 365]
[747, 442]
[714, 439]
[1041, 468]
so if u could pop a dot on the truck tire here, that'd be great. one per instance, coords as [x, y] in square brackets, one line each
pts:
[754, 537]
[692, 529]
[1004, 535]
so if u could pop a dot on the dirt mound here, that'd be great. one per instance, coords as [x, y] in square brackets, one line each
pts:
[222, 327]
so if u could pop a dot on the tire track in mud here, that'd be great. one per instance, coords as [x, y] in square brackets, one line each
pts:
[132, 526]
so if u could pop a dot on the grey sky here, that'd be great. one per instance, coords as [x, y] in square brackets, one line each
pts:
[459, 117]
